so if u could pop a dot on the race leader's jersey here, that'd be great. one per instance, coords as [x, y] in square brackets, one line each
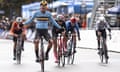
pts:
[42, 20]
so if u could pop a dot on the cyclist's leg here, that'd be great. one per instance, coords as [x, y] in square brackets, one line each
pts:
[14, 47]
[55, 49]
[104, 39]
[50, 41]
[98, 40]
[74, 38]
[23, 38]
[36, 44]
[65, 42]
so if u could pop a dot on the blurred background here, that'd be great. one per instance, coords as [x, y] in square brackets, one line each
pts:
[87, 11]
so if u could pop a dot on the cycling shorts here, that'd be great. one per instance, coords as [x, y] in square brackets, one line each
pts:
[103, 33]
[42, 32]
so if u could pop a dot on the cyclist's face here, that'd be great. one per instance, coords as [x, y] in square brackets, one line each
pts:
[60, 22]
[43, 8]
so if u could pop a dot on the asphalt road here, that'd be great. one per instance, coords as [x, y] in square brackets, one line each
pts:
[86, 60]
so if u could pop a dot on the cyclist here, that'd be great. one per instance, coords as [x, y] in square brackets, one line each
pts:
[42, 17]
[73, 27]
[55, 32]
[101, 27]
[17, 28]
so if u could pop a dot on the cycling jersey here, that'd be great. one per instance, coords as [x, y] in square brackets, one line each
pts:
[42, 20]
[71, 28]
[55, 30]
[15, 29]
[102, 25]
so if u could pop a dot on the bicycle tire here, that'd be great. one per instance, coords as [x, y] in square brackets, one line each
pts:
[58, 56]
[18, 50]
[71, 53]
[42, 55]
[105, 56]
[18, 57]
[42, 64]
[61, 56]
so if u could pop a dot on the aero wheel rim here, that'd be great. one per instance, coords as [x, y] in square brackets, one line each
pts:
[63, 58]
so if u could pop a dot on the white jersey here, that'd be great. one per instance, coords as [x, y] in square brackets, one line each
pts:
[102, 25]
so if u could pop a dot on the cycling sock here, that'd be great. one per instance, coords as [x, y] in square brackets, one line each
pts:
[98, 44]
[14, 52]
[36, 53]
[48, 49]
[22, 43]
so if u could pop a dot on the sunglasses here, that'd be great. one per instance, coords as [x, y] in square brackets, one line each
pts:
[43, 4]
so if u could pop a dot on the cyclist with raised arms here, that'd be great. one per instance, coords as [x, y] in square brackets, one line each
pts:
[42, 16]
[101, 27]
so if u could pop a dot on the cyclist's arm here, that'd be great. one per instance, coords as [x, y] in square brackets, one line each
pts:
[97, 26]
[67, 25]
[12, 29]
[108, 27]
[77, 28]
[30, 20]
[54, 22]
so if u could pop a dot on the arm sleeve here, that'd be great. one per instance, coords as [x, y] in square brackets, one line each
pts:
[96, 26]
[77, 28]
[12, 29]
[108, 26]
[67, 26]
[54, 22]
[30, 20]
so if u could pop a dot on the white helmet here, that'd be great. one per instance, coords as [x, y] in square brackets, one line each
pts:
[60, 17]
[19, 19]
[102, 18]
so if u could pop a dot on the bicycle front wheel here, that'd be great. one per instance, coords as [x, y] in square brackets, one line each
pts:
[61, 57]
[18, 56]
[71, 53]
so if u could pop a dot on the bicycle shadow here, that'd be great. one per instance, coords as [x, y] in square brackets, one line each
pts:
[103, 64]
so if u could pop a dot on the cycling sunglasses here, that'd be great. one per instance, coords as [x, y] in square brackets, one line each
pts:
[43, 4]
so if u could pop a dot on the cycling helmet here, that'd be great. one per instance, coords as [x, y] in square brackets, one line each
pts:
[102, 18]
[73, 20]
[19, 19]
[60, 17]
[44, 3]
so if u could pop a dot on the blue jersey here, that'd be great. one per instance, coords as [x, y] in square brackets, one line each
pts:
[69, 27]
[42, 20]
